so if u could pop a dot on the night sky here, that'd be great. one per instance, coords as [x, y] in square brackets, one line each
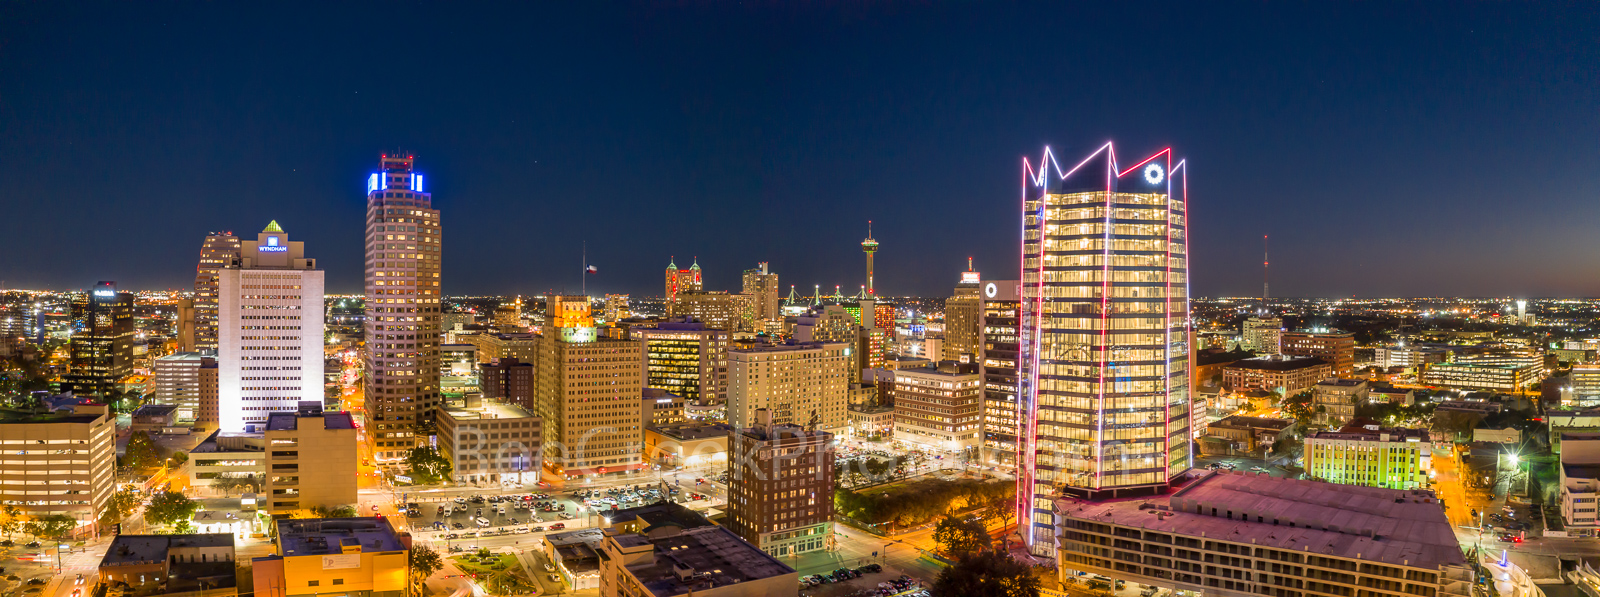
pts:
[1390, 149]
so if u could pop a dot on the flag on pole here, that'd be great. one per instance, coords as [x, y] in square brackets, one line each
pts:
[592, 269]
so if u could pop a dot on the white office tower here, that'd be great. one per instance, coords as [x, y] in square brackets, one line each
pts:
[269, 336]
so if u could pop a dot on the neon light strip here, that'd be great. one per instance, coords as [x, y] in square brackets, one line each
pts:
[1105, 321]
[1167, 151]
[1166, 308]
[1188, 323]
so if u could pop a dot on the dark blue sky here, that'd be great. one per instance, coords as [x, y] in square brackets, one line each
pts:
[1417, 148]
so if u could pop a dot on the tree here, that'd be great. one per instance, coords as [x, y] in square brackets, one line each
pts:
[876, 468]
[991, 574]
[428, 466]
[960, 536]
[345, 511]
[141, 451]
[11, 519]
[169, 507]
[1003, 510]
[54, 526]
[118, 507]
[424, 562]
[179, 457]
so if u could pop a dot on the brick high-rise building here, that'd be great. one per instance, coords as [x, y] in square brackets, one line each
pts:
[220, 250]
[780, 491]
[588, 393]
[682, 280]
[508, 380]
[102, 340]
[403, 319]
[1338, 348]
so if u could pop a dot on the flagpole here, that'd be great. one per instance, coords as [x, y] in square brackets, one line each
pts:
[585, 271]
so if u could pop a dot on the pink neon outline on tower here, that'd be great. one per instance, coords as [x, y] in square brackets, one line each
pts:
[1031, 314]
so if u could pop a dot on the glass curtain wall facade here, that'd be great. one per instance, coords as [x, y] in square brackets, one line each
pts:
[1103, 403]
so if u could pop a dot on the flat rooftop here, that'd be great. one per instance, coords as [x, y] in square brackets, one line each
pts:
[1253, 422]
[1341, 382]
[693, 430]
[1277, 363]
[1390, 526]
[1354, 433]
[320, 536]
[658, 515]
[128, 550]
[287, 421]
[707, 557]
[489, 410]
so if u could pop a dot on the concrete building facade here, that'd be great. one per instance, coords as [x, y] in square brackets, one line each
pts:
[403, 314]
[797, 382]
[270, 331]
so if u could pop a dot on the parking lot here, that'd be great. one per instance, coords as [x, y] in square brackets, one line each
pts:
[460, 517]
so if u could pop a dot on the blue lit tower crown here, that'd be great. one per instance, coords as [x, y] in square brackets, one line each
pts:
[403, 316]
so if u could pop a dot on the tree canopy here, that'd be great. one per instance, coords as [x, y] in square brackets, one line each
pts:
[424, 562]
[427, 466]
[988, 574]
[118, 507]
[960, 536]
[141, 451]
[170, 507]
[54, 526]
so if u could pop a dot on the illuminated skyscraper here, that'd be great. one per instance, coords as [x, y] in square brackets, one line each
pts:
[1104, 397]
[869, 247]
[220, 250]
[763, 286]
[682, 280]
[102, 340]
[269, 339]
[403, 325]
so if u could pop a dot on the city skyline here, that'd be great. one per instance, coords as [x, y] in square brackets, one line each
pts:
[1335, 148]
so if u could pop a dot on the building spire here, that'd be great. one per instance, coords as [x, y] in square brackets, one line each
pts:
[672, 263]
[273, 227]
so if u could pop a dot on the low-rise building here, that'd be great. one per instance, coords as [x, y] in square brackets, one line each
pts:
[1381, 392]
[60, 462]
[197, 565]
[1248, 534]
[871, 421]
[491, 442]
[576, 556]
[1247, 435]
[228, 463]
[334, 556]
[938, 410]
[311, 459]
[1491, 376]
[1580, 482]
[154, 418]
[691, 445]
[705, 561]
[177, 381]
[1286, 376]
[1335, 399]
[1337, 348]
[1371, 456]
[660, 407]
